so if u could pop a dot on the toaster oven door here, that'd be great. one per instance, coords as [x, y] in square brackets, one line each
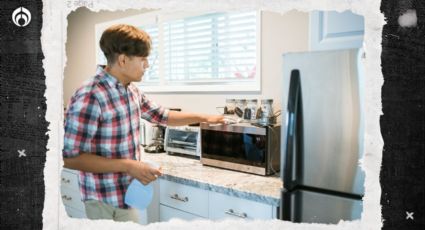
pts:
[181, 141]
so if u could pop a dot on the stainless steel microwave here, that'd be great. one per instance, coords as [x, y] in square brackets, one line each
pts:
[241, 147]
[183, 140]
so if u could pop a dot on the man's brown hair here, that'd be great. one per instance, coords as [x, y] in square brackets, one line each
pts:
[124, 39]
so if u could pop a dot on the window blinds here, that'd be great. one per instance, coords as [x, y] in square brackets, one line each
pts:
[212, 47]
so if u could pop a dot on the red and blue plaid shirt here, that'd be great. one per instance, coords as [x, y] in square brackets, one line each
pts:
[103, 118]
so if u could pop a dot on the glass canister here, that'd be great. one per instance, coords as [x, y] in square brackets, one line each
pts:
[240, 107]
[250, 112]
[230, 106]
[266, 108]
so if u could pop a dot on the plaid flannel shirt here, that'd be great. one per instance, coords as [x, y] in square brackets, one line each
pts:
[103, 118]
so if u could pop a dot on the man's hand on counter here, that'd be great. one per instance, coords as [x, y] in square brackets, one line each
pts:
[176, 118]
[214, 119]
[142, 171]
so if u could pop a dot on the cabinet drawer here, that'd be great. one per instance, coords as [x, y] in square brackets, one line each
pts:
[71, 198]
[166, 213]
[69, 179]
[224, 206]
[183, 197]
[74, 213]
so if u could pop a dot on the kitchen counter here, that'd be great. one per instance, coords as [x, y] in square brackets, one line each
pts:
[188, 171]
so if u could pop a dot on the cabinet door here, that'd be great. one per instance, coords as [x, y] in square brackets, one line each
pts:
[75, 213]
[70, 194]
[184, 197]
[332, 30]
[223, 206]
[166, 213]
[69, 179]
[151, 214]
[72, 198]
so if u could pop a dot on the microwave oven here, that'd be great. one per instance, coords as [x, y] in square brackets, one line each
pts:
[241, 147]
[183, 140]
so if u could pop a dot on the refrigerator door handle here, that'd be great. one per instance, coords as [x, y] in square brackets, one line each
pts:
[285, 205]
[293, 143]
[291, 203]
[292, 148]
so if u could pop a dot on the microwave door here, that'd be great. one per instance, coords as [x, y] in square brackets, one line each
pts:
[241, 147]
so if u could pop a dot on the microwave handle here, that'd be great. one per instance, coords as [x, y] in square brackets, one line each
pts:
[167, 130]
[255, 130]
[142, 135]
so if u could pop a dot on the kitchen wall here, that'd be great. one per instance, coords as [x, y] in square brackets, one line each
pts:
[280, 33]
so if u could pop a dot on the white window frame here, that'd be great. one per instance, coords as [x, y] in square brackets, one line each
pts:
[158, 17]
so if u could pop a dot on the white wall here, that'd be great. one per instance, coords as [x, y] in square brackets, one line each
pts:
[280, 33]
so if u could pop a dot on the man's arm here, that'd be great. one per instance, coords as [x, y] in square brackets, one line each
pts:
[176, 118]
[96, 164]
[156, 114]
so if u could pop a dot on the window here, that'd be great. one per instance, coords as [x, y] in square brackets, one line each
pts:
[208, 52]
[152, 74]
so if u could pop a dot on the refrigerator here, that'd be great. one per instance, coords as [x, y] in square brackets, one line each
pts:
[322, 136]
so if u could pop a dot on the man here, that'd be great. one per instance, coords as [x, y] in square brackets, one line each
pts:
[102, 125]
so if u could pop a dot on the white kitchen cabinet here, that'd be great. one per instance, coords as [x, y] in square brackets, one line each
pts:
[183, 197]
[70, 194]
[188, 203]
[74, 207]
[167, 213]
[332, 30]
[174, 200]
[222, 206]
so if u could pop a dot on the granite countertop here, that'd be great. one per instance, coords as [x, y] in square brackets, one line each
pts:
[188, 171]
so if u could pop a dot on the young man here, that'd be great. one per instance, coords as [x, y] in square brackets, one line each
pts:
[102, 125]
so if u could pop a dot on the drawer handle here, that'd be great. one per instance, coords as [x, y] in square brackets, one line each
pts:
[233, 213]
[65, 180]
[66, 197]
[176, 197]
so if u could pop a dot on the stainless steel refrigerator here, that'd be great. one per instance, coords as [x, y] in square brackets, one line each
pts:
[322, 136]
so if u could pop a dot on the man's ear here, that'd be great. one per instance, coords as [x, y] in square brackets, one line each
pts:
[121, 59]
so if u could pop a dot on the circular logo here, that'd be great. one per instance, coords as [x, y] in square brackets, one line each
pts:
[21, 17]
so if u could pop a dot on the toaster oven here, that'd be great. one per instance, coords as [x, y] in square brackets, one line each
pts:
[183, 140]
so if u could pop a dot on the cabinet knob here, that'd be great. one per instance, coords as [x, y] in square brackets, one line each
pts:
[64, 180]
[233, 213]
[175, 196]
[64, 197]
